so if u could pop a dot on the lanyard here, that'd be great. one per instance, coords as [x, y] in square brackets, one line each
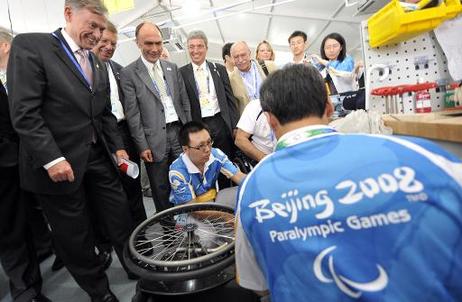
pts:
[157, 88]
[301, 135]
[73, 59]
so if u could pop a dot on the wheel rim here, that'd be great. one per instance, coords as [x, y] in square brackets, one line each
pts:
[184, 238]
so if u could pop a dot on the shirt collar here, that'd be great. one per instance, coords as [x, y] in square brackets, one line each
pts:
[203, 66]
[192, 168]
[304, 134]
[150, 65]
[74, 47]
[251, 70]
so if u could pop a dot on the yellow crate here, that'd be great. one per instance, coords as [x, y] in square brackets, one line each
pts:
[392, 24]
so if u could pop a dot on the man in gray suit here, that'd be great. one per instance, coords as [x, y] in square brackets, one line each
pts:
[156, 105]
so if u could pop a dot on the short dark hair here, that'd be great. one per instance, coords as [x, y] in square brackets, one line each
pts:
[298, 33]
[297, 91]
[226, 50]
[139, 26]
[339, 38]
[190, 127]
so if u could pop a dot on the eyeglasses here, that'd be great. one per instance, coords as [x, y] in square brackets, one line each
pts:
[199, 47]
[203, 147]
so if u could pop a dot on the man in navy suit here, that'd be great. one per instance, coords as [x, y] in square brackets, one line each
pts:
[17, 250]
[210, 93]
[59, 100]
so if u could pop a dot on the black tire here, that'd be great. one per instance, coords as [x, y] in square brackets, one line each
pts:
[201, 259]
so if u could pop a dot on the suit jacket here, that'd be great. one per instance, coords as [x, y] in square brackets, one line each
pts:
[8, 138]
[143, 107]
[55, 112]
[239, 89]
[226, 100]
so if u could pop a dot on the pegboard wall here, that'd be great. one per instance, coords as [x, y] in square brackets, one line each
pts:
[409, 61]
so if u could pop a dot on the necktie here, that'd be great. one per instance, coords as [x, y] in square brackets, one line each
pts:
[202, 81]
[159, 81]
[3, 80]
[84, 62]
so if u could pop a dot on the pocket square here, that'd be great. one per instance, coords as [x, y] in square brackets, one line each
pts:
[169, 69]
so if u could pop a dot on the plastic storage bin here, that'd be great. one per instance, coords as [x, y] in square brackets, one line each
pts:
[392, 24]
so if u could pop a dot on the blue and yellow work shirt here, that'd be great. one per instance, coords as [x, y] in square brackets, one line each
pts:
[187, 182]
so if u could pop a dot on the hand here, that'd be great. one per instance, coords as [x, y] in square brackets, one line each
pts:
[61, 171]
[146, 155]
[121, 154]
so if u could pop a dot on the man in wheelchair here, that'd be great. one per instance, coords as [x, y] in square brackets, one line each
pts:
[193, 175]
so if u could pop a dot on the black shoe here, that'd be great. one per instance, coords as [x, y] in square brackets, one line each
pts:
[57, 264]
[106, 259]
[132, 276]
[108, 297]
[40, 298]
[43, 254]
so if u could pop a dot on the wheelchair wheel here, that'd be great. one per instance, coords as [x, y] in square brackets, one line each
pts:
[183, 243]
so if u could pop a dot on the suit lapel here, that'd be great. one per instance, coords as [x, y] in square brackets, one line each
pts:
[143, 73]
[169, 78]
[215, 76]
[96, 67]
[191, 80]
[61, 53]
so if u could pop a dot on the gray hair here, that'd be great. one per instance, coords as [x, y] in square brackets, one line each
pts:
[96, 6]
[239, 43]
[5, 35]
[198, 34]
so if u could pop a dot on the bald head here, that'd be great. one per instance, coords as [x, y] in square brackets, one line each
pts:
[149, 41]
[240, 52]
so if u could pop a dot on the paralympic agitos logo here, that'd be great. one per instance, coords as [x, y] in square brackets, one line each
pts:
[349, 287]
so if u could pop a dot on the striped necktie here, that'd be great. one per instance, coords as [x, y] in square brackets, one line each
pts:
[82, 56]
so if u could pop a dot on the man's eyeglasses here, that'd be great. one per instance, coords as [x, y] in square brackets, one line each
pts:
[203, 147]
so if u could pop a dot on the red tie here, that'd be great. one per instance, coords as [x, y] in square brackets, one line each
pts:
[85, 64]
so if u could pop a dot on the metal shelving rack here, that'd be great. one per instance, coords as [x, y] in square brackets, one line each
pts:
[418, 58]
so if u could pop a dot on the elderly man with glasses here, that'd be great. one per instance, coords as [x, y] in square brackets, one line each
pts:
[193, 175]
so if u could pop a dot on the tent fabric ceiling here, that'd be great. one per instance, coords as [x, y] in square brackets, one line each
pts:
[222, 20]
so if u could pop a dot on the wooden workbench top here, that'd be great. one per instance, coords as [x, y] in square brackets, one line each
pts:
[445, 125]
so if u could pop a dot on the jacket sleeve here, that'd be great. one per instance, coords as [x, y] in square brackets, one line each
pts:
[231, 100]
[27, 92]
[132, 111]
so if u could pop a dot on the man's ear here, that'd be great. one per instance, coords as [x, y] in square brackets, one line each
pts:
[273, 121]
[185, 148]
[329, 110]
[67, 13]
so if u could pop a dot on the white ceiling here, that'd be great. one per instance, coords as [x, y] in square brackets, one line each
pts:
[222, 20]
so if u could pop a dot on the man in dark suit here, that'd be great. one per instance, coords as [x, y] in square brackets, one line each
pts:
[59, 101]
[156, 105]
[210, 94]
[105, 50]
[17, 250]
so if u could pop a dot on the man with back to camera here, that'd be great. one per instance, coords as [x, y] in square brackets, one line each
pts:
[196, 170]
[298, 44]
[156, 105]
[105, 50]
[248, 75]
[17, 249]
[210, 94]
[60, 108]
[382, 225]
